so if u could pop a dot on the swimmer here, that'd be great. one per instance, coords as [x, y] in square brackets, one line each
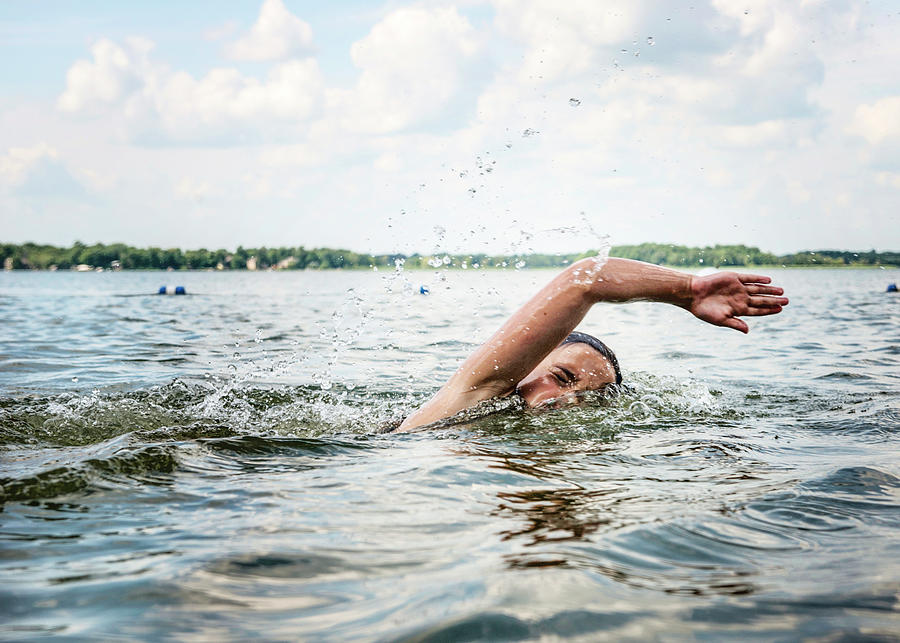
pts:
[536, 355]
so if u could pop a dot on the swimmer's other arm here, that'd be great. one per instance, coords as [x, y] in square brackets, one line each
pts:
[499, 364]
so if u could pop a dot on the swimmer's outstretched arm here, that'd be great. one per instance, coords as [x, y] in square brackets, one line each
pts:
[499, 364]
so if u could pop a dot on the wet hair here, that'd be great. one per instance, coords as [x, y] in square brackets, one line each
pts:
[577, 337]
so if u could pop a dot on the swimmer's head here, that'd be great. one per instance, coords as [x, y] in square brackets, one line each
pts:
[583, 338]
[580, 363]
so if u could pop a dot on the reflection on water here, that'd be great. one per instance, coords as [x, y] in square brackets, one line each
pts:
[218, 470]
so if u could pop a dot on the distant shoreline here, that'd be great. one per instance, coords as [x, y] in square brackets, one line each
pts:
[101, 257]
[693, 269]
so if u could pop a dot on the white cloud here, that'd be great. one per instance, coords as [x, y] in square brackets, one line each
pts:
[878, 121]
[227, 105]
[564, 38]
[767, 133]
[412, 65]
[891, 179]
[726, 60]
[769, 56]
[19, 161]
[156, 105]
[153, 104]
[277, 34]
[298, 154]
[113, 73]
[192, 189]
[797, 192]
[38, 172]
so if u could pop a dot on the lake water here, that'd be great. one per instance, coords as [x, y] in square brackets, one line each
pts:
[211, 466]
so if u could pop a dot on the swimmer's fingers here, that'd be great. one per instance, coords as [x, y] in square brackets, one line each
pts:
[760, 289]
[759, 312]
[753, 311]
[736, 323]
[767, 301]
[753, 279]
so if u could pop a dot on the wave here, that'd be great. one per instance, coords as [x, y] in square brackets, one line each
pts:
[187, 409]
[123, 462]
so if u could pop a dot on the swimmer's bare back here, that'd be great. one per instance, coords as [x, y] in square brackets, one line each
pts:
[525, 342]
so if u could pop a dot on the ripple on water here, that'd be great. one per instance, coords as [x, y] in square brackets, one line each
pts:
[138, 466]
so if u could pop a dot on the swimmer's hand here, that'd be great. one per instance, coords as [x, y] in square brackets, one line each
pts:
[721, 298]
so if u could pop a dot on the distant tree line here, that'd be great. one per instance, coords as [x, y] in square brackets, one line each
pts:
[120, 256]
[737, 255]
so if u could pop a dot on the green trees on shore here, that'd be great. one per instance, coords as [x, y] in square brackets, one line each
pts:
[120, 256]
[671, 255]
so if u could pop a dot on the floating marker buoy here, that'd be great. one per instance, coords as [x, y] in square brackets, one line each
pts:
[423, 290]
[172, 290]
[892, 288]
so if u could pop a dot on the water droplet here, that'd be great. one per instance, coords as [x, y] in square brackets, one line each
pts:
[746, 12]
[574, 102]
[650, 41]
[74, 380]
[472, 191]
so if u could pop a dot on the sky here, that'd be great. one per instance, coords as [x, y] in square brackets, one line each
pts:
[476, 126]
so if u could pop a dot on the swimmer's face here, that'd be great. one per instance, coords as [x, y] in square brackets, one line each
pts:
[568, 369]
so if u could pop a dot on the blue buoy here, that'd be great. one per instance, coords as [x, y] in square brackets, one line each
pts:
[423, 290]
[172, 290]
[892, 288]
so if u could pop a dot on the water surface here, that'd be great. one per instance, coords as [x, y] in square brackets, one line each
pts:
[212, 466]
